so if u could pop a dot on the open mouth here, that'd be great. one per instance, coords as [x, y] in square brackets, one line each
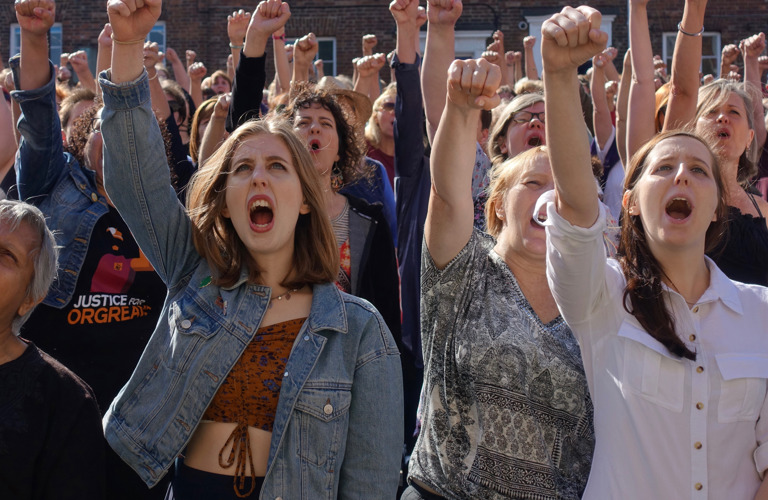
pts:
[261, 214]
[678, 208]
[314, 145]
[723, 134]
[535, 141]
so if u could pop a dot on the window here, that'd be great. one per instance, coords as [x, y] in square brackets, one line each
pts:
[467, 44]
[710, 52]
[54, 42]
[534, 29]
[326, 50]
[157, 35]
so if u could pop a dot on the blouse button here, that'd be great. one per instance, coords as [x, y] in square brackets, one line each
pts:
[185, 324]
[697, 445]
[699, 369]
[699, 406]
[698, 486]
[306, 337]
[328, 409]
[696, 309]
[692, 337]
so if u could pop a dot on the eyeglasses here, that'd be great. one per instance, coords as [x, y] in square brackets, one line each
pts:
[387, 106]
[527, 116]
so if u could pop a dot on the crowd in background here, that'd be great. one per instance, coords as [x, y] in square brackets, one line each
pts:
[482, 279]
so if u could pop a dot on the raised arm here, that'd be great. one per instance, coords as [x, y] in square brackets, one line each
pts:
[601, 114]
[471, 87]
[531, 72]
[622, 107]
[237, 24]
[282, 64]
[304, 51]
[79, 62]
[41, 157]
[250, 77]
[179, 69]
[214, 132]
[568, 40]
[751, 49]
[104, 52]
[368, 68]
[684, 91]
[438, 55]
[642, 92]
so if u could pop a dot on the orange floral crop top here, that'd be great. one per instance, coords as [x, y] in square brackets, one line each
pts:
[249, 394]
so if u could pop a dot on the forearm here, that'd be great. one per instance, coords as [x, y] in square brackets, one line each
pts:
[212, 138]
[622, 106]
[438, 56]
[103, 58]
[752, 78]
[642, 92]
[247, 90]
[159, 101]
[569, 152]
[34, 70]
[518, 72]
[531, 72]
[41, 154]
[282, 65]
[601, 115]
[180, 74]
[86, 78]
[684, 91]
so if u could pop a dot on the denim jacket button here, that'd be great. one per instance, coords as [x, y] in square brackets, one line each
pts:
[328, 409]
[185, 324]
[94, 197]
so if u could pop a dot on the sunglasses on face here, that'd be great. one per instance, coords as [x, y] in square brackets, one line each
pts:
[95, 125]
[387, 106]
[527, 116]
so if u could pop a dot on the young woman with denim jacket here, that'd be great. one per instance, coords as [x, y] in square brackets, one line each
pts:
[255, 249]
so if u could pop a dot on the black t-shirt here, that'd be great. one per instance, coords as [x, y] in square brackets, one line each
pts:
[102, 332]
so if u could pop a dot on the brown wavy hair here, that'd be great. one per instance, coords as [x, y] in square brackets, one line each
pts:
[643, 297]
[351, 142]
[315, 254]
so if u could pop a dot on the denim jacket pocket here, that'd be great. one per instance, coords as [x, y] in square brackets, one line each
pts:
[322, 416]
[650, 370]
[742, 386]
[190, 325]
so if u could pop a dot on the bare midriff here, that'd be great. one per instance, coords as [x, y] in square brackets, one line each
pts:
[203, 449]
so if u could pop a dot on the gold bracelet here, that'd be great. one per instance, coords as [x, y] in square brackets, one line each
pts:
[118, 42]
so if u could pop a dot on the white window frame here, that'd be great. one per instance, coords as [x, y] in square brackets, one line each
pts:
[468, 44]
[534, 29]
[54, 49]
[672, 36]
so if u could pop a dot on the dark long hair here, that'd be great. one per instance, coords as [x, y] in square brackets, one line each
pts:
[643, 297]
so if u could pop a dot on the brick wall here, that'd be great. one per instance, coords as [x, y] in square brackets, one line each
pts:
[201, 24]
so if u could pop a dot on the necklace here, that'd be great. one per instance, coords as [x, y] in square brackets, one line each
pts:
[286, 295]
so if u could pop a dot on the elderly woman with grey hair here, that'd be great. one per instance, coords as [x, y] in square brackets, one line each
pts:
[51, 444]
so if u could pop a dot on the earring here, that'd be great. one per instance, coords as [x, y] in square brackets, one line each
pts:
[500, 215]
[632, 210]
[337, 178]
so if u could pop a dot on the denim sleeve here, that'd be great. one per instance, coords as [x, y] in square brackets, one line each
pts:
[40, 161]
[138, 182]
[371, 467]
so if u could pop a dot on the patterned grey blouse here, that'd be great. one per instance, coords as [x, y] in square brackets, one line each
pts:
[506, 411]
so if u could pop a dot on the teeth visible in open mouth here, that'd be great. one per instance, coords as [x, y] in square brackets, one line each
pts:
[261, 213]
[678, 208]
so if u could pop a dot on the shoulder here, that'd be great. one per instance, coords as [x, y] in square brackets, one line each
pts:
[361, 206]
[60, 382]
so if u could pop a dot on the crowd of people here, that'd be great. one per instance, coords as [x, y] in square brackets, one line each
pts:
[482, 280]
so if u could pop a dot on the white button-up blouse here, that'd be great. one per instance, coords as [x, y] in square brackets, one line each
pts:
[666, 427]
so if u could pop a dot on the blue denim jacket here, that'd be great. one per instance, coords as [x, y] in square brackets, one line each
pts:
[56, 183]
[344, 356]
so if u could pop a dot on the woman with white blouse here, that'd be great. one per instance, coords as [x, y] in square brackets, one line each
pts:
[675, 353]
